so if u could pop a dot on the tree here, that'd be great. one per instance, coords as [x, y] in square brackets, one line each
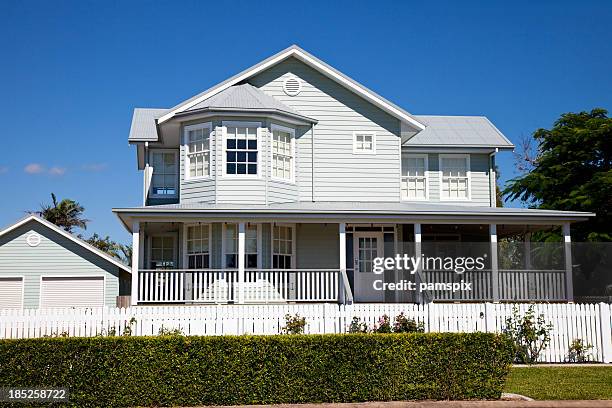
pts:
[66, 214]
[571, 169]
[105, 245]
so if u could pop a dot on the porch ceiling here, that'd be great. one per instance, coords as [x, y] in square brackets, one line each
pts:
[354, 212]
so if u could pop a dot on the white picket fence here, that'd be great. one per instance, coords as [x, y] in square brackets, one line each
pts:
[589, 322]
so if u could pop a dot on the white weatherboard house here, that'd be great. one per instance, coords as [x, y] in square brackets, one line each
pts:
[284, 182]
[41, 265]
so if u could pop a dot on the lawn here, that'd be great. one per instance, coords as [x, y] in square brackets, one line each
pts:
[561, 383]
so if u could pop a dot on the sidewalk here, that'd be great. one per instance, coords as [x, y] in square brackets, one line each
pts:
[451, 404]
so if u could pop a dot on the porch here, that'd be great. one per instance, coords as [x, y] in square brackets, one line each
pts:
[209, 261]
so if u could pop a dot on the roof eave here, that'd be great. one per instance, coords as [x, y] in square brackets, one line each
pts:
[226, 111]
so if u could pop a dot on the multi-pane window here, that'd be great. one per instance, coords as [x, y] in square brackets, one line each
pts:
[282, 247]
[241, 150]
[198, 246]
[455, 179]
[364, 142]
[162, 252]
[231, 246]
[414, 177]
[197, 141]
[165, 175]
[282, 154]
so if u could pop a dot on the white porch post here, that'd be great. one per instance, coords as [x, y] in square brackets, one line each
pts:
[569, 283]
[494, 263]
[342, 261]
[241, 251]
[417, 253]
[531, 290]
[135, 261]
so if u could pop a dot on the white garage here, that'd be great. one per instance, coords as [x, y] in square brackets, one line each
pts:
[11, 292]
[59, 291]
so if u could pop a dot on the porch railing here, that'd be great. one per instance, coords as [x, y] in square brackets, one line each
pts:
[224, 286]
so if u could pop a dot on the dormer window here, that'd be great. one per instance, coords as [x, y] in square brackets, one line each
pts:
[241, 149]
[197, 146]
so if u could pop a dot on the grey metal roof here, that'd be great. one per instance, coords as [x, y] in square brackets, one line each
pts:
[453, 131]
[370, 211]
[290, 51]
[244, 97]
[143, 127]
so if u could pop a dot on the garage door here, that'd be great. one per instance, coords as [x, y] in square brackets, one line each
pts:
[11, 293]
[72, 292]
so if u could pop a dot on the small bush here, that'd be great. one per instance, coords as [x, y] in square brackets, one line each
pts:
[404, 324]
[294, 324]
[401, 324]
[239, 370]
[383, 325]
[530, 335]
[579, 351]
[357, 326]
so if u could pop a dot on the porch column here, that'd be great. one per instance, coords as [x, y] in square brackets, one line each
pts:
[135, 261]
[494, 265]
[569, 283]
[241, 251]
[417, 253]
[343, 285]
[531, 290]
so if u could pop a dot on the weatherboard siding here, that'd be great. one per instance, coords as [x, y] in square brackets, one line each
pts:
[340, 175]
[55, 255]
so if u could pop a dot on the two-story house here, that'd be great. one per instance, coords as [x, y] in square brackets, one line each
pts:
[284, 182]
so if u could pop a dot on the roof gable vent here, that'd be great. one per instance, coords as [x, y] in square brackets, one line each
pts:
[292, 85]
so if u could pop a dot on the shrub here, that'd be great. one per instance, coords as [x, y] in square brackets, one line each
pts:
[403, 324]
[529, 334]
[357, 326]
[235, 370]
[294, 324]
[383, 325]
[579, 351]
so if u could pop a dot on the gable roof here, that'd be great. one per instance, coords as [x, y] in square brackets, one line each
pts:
[143, 127]
[249, 98]
[310, 60]
[68, 235]
[466, 131]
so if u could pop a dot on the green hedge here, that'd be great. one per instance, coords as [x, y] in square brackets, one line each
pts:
[234, 370]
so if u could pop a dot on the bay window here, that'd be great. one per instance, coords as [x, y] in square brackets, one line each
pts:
[198, 246]
[165, 174]
[455, 177]
[230, 243]
[414, 177]
[197, 147]
[282, 152]
[241, 149]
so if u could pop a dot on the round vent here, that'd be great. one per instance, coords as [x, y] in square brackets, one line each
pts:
[292, 86]
[33, 239]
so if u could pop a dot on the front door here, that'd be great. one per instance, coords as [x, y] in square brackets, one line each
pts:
[366, 247]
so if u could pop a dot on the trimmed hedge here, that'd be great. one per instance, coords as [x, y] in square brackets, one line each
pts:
[235, 370]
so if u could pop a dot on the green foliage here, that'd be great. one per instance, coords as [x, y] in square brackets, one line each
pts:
[579, 351]
[383, 325]
[238, 370]
[529, 334]
[572, 170]
[66, 214]
[404, 324]
[357, 326]
[164, 331]
[294, 324]
[401, 324]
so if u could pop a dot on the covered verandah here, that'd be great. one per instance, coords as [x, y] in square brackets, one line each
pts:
[324, 252]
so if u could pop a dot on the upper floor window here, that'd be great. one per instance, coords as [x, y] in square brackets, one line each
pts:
[250, 246]
[198, 246]
[414, 177]
[197, 141]
[455, 177]
[364, 142]
[165, 174]
[282, 152]
[241, 149]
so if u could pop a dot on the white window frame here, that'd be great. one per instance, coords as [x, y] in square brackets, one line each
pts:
[291, 131]
[293, 243]
[260, 151]
[186, 155]
[402, 177]
[176, 180]
[259, 244]
[174, 248]
[186, 243]
[356, 151]
[468, 174]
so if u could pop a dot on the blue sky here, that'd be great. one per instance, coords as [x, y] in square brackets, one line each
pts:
[72, 72]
